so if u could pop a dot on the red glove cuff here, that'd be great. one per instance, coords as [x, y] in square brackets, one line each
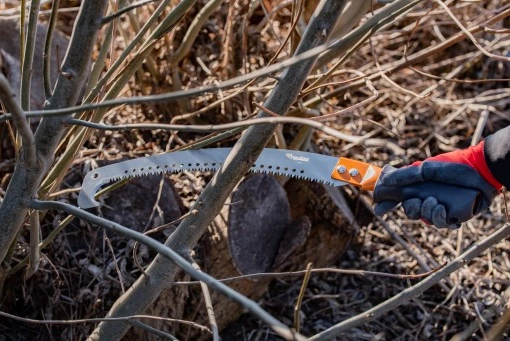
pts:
[473, 157]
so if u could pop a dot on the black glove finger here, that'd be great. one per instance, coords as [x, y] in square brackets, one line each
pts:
[384, 207]
[427, 207]
[439, 218]
[412, 208]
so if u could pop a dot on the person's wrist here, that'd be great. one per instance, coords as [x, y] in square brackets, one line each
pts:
[478, 162]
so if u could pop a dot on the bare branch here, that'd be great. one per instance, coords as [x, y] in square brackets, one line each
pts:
[152, 330]
[95, 320]
[208, 302]
[172, 257]
[28, 54]
[35, 254]
[131, 7]
[351, 272]
[297, 308]
[255, 121]
[194, 30]
[47, 47]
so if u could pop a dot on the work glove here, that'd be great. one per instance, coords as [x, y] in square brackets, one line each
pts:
[465, 168]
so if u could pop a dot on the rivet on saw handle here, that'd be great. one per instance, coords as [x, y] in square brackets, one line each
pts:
[358, 173]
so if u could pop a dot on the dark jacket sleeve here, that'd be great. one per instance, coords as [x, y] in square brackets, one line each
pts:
[497, 155]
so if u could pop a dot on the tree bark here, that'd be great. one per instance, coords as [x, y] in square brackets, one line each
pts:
[26, 180]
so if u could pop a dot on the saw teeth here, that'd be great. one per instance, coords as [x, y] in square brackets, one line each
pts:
[272, 171]
[179, 168]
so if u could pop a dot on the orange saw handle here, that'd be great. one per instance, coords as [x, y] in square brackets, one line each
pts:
[357, 173]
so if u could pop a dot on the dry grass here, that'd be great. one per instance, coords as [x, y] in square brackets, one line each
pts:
[424, 114]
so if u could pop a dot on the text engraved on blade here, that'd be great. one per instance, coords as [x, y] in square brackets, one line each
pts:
[296, 158]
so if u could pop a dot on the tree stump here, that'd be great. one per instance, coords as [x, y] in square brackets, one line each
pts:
[264, 227]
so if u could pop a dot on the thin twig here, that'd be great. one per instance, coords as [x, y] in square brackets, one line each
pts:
[297, 308]
[112, 187]
[99, 64]
[507, 212]
[208, 302]
[99, 319]
[194, 29]
[35, 255]
[456, 80]
[351, 272]
[46, 242]
[154, 230]
[362, 117]
[28, 54]
[22, 30]
[372, 98]
[388, 79]
[152, 330]
[47, 48]
[64, 192]
[480, 126]
[497, 31]
[322, 85]
[131, 7]
[121, 281]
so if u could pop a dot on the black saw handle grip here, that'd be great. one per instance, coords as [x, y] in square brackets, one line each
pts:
[461, 203]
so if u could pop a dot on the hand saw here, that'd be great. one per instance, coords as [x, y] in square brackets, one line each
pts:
[461, 203]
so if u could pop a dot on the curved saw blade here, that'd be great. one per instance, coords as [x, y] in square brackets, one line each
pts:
[296, 164]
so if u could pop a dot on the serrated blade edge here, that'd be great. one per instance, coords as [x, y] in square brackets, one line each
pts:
[189, 160]
[296, 164]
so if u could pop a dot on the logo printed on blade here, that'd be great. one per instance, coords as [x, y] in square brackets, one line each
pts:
[297, 158]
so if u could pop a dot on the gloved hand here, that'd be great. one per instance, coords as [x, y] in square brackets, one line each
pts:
[466, 168]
